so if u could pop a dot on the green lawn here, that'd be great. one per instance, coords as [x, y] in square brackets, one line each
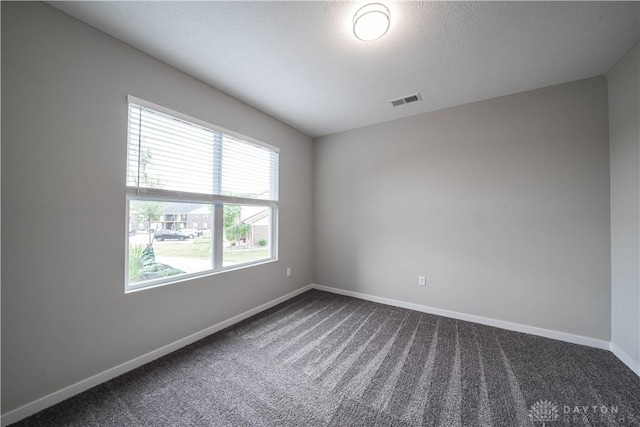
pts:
[200, 247]
[244, 255]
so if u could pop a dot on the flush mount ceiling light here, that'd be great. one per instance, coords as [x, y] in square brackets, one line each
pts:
[371, 22]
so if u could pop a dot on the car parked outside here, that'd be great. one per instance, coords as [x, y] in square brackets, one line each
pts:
[171, 234]
[192, 232]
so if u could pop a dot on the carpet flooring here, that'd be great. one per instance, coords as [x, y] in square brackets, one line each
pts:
[322, 359]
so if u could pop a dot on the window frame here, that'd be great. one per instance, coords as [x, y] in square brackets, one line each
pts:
[217, 203]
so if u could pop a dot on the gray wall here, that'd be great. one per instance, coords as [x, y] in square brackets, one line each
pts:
[624, 140]
[65, 316]
[503, 205]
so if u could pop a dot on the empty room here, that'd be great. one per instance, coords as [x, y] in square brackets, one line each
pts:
[320, 213]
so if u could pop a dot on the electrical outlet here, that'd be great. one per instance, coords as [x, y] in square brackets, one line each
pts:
[422, 281]
[288, 271]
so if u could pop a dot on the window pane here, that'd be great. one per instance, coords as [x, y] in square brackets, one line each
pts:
[168, 153]
[248, 170]
[247, 234]
[161, 243]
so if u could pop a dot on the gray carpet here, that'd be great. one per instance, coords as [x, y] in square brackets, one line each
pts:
[327, 360]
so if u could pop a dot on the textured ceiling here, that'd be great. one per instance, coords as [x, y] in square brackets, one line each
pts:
[300, 63]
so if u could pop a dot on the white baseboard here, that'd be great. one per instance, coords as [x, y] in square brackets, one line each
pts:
[67, 392]
[547, 333]
[625, 358]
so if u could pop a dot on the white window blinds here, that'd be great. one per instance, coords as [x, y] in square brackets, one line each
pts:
[170, 152]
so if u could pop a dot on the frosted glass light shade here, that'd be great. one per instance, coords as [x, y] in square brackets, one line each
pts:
[371, 22]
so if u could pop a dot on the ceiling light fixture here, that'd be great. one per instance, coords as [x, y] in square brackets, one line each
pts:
[371, 22]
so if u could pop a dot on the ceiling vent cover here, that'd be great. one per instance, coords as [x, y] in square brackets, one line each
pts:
[406, 100]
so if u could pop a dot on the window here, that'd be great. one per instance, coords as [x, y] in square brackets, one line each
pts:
[180, 169]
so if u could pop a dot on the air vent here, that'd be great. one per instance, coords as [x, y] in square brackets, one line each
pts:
[406, 99]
